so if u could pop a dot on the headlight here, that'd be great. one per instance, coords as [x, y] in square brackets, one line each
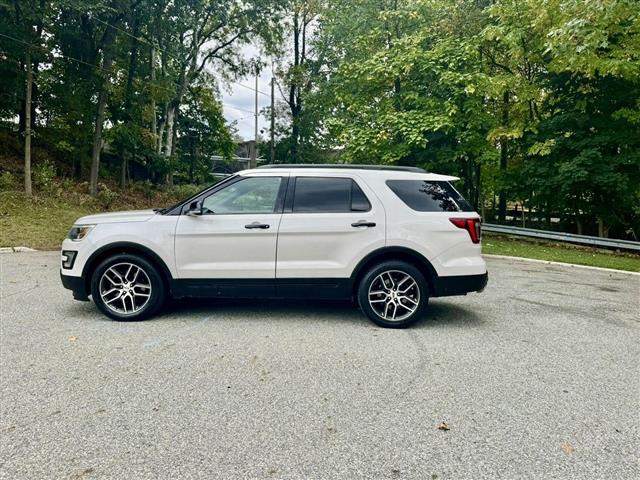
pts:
[78, 232]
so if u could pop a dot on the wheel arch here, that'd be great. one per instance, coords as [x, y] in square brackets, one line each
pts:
[123, 248]
[395, 253]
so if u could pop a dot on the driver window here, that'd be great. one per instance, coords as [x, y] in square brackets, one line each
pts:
[249, 195]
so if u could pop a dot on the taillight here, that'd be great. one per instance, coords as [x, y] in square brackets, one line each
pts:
[471, 225]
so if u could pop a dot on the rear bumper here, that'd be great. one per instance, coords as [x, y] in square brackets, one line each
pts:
[459, 284]
[76, 285]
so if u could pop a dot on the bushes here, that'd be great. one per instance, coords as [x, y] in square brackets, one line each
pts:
[106, 197]
[44, 174]
[7, 181]
[109, 197]
[181, 192]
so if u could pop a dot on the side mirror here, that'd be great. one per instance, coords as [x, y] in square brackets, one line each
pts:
[195, 209]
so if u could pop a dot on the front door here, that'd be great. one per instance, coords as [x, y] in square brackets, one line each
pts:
[235, 237]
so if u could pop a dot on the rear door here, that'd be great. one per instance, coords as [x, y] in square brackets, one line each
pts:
[330, 222]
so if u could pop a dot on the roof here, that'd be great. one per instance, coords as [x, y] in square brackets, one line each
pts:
[347, 166]
[387, 172]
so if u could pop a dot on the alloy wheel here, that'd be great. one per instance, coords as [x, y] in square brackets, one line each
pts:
[125, 288]
[394, 295]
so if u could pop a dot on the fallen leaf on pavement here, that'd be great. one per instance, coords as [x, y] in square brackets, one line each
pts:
[443, 426]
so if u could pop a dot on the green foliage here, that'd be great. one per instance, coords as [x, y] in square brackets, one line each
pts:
[146, 188]
[203, 132]
[44, 174]
[7, 181]
[146, 62]
[185, 191]
[537, 101]
[106, 197]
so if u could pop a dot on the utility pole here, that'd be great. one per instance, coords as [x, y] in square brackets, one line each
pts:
[27, 125]
[254, 151]
[273, 122]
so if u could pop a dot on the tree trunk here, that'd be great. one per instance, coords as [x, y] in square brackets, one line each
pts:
[476, 195]
[170, 122]
[109, 38]
[163, 123]
[154, 128]
[504, 158]
[172, 151]
[603, 229]
[97, 141]
[168, 144]
[123, 172]
[171, 127]
[27, 126]
[295, 138]
[133, 62]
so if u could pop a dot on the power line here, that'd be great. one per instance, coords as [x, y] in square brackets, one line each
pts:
[239, 109]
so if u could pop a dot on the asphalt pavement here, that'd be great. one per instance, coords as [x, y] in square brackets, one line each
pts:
[537, 377]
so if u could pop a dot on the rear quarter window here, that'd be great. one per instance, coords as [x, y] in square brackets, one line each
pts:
[429, 196]
[328, 195]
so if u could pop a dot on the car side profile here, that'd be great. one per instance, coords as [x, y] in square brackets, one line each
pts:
[389, 238]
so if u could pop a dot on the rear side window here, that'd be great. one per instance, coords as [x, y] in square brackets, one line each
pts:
[328, 195]
[429, 196]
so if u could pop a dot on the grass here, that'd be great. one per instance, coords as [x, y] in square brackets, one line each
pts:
[42, 222]
[559, 252]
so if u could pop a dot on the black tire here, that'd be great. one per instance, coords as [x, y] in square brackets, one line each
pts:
[119, 263]
[404, 307]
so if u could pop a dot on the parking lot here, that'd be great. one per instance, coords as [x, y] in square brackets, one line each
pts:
[536, 377]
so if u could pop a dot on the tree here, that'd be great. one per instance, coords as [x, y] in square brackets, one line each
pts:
[105, 46]
[25, 21]
[512, 60]
[209, 33]
[295, 72]
[405, 89]
[203, 131]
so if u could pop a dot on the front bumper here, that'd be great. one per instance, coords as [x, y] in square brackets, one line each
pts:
[76, 285]
[459, 284]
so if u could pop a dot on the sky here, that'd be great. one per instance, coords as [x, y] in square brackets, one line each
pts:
[239, 104]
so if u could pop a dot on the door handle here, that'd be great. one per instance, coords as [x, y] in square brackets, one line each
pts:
[263, 226]
[362, 223]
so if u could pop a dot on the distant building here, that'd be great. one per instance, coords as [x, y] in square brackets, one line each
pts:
[241, 160]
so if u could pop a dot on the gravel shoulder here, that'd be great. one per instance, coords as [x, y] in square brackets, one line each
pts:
[538, 376]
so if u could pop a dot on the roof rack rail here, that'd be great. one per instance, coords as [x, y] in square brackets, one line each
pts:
[346, 166]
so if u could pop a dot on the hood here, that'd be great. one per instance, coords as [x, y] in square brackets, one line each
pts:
[117, 217]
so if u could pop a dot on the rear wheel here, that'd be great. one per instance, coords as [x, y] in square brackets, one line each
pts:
[393, 294]
[127, 287]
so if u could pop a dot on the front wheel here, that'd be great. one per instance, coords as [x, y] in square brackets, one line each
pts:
[127, 287]
[393, 294]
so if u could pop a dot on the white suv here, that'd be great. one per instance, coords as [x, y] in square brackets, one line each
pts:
[390, 237]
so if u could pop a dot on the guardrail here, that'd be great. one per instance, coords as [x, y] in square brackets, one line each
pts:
[563, 237]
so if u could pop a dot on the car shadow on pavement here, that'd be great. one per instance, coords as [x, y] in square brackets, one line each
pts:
[448, 313]
[439, 314]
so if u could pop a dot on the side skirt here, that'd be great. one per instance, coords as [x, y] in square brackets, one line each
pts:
[318, 288]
